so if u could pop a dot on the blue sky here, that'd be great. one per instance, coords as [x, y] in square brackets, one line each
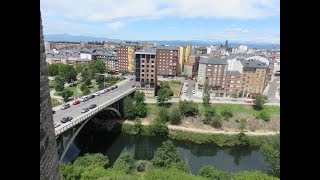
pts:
[218, 20]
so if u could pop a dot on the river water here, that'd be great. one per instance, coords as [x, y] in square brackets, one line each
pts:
[232, 159]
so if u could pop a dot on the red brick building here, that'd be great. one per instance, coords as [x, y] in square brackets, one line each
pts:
[167, 61]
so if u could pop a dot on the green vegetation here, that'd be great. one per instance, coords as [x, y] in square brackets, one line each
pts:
[157, 128]
[174, 115]
[66, 94]
[188, 108]
[163, 114]
[138, 125]
[55, 102]
[166, 166]
[227, 113]
[259, 102]
[124, 163]
[216, 121]
[166, 155]
[206, 95]
[164, 92]
[211, 172]
[245, 175]
[97, 66]
[59, 82]
[209, 114]
[271, 151]
[263, 115]
[242, 138]
[134, 107]
[176, 87]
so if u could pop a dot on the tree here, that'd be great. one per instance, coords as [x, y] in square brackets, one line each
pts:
[129, 111]
[166, 154]
[138, 125]
[141, 165]
[69, 171]
[174, 115]
[164, 84]
[271, 151]
[124, 163]
[53, 69]
[79, 68]
[97, 66]
[100, 80]
[206, 94]
[164, 94]
[85, 91]
[140, 110]
[85, 75]
[209, 113]
[263, 115]
[211, 172]
[259, 102]
[59, 83]
[244, 175]
[67, 72]
[66, 94]
[163, 114]
[234, 95]
[139, 97]
[87, 82]
[188, 108]
[94, 173]
[242, 138]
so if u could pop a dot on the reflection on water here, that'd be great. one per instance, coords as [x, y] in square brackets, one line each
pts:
[232, 159]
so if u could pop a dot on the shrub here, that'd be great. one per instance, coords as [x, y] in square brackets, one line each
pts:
[124, 163]
[212, 173]
[138, 125]
[174, 115]
[252, 175]
[259, 102]
[227, 113]
[158, 128]
[216, 121]
[188, 108]
[263, 115]
[208, 114]
[163, 114]
[141, 165]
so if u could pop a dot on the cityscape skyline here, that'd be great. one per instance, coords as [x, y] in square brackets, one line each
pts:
[245, 21]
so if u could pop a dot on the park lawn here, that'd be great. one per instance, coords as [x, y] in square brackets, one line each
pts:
[235, 108]
[75, 91]
[176, 88]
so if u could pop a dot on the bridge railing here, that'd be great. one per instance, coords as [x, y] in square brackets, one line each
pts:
[85, 116]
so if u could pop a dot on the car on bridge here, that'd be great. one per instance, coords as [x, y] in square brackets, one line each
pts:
[76, 102]
[97, 93]
[84, 110]
[56, 124]
[65, 106]
[92, 106]
[91, 96]
[102, 91]
[113, 87]
[84, 98]
[66, 119]
[108, 89]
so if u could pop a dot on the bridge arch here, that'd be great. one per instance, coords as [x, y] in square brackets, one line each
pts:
[65, 149]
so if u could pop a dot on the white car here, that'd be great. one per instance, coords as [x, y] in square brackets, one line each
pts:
[102, 91]
[56, 124]
[84, 98]
[97, 93]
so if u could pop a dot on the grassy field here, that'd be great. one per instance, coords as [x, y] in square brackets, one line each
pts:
[176, 88]
[55, 102]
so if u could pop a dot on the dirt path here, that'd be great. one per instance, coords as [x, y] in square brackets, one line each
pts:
[173, 127]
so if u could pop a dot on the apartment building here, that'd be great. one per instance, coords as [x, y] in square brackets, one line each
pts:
[146, 71]
[110, 59]
[192, 66]
[253, 76]
[167, 61]
[233, 83]
[123, 62]
[184, 54]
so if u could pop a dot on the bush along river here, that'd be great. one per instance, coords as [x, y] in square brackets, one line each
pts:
[232, 159]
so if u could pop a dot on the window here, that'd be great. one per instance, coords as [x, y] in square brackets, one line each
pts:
[152, 66]
[152, 61]
[142, 65]
[143, 56]
[152, 56]
[151, 75]
[152, 70]
[142, 70]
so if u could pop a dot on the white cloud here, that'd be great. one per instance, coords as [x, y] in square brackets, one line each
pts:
[105, 10]
[236, 30]
[115, 25]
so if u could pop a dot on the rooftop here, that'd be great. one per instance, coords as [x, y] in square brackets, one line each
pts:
[146, 51]
[213, 60]
[168, 47]
[253, 64]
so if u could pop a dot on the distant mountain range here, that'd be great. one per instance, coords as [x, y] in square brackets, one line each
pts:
[74, 38]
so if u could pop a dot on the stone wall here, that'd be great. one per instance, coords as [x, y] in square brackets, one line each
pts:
[49, 161]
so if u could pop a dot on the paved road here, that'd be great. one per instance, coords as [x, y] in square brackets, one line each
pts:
[75, 110]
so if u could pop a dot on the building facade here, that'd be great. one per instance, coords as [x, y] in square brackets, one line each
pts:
[192, 66]
[167, 61]
[123, 63]
[146, 71]
[233, 83]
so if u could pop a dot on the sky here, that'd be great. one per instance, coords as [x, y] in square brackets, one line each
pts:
[241, 21]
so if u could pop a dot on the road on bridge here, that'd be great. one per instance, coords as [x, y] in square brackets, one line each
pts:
[75, 110]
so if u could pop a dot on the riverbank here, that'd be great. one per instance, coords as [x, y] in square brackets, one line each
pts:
[221, 138]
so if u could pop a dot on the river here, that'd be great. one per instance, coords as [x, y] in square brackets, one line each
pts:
[232, 159]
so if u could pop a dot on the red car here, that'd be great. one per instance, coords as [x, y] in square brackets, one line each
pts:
[76, 102]
[108, 89]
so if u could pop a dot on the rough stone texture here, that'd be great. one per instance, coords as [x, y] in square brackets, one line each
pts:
[49, 161]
